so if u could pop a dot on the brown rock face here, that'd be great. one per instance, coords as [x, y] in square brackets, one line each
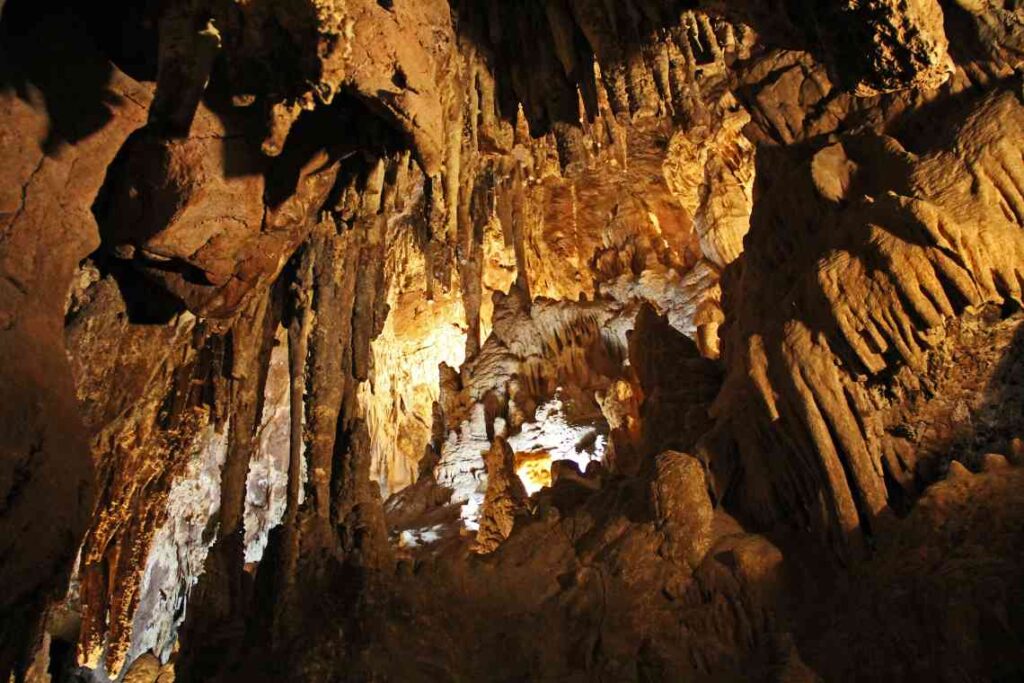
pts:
[556, 340]
[184, 221]
[505, 498]
[682, 506]
[825, 360]
[892, 45]
[57, 157]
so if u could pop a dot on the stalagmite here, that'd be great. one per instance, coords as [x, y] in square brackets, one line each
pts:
[505, 498]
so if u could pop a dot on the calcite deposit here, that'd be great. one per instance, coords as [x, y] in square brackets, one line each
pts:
[548, 340]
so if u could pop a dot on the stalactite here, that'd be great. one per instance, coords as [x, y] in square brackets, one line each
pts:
[222, 591]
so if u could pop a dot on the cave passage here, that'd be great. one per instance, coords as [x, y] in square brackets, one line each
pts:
[549, 340]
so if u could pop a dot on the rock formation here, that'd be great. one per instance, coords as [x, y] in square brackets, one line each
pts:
[560, 340]
[505, 497]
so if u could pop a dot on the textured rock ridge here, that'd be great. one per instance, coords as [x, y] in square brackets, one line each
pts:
[826, 367]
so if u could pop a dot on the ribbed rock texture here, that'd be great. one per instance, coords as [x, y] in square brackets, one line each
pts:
[565, 340]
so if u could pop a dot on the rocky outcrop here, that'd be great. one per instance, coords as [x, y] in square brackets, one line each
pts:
[896, 256]
[677, 383]
[939, 580]
[682, 506]
[57, 153]
[871, 47]
[713, 180]
[505, 498]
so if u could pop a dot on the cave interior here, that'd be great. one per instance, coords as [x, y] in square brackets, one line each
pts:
[533, 340]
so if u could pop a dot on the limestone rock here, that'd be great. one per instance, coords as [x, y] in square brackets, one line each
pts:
[505, 498]
[844, 311]
[57, 154]
[682, 506]
[264, 265]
